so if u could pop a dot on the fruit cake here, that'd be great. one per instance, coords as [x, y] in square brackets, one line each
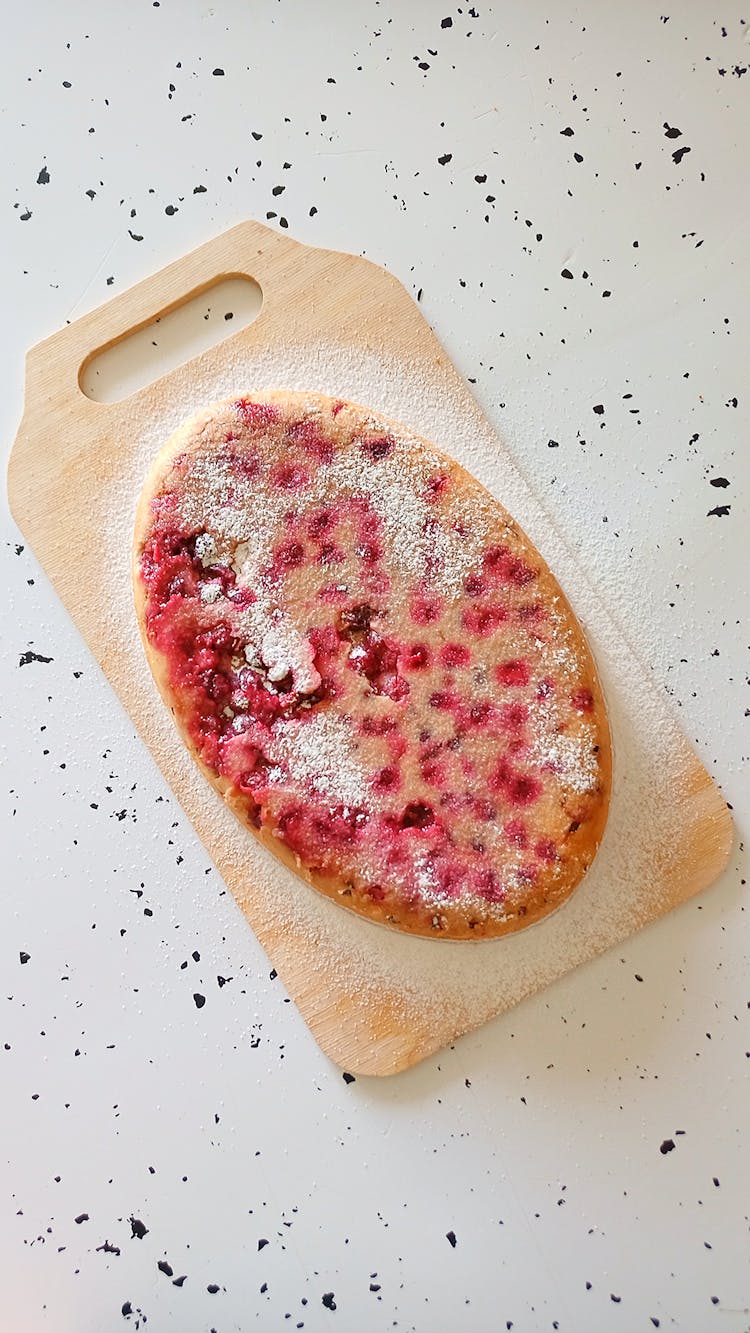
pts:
[372, 664]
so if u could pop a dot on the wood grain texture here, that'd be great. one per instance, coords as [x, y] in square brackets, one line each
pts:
[69, 452]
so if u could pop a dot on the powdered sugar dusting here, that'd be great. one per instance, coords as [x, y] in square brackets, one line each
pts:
[319, 751]
[396, 495]
[435, 989]
[570, 757]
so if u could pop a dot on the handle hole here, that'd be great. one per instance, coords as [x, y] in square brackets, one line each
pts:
[201, 321]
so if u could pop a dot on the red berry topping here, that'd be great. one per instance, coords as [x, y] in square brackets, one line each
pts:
[378, 446]
[290, 476]
[324, 640]
[388, 779]
[370, 552]
[320, 522]
[582, 700]
[475, 585]
[426, 610]
[417, 815]
[308, 436]
[546, 850]
[257, 414]
[514, 716]
[436, 487]
[455, 655]
[530, 613]
[290, 554]
[518, 788]
[515, 832]
[515, 672]
[483, 620]
[415, 657]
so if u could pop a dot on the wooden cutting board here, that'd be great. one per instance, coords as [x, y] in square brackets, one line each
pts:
[376, 1002]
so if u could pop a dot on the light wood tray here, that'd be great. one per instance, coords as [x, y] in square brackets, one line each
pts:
[336, 315]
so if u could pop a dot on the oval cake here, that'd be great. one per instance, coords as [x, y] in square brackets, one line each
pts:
[372, 665]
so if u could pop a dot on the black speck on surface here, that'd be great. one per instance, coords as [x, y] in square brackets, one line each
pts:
[446, 23]
[24, 957]
[553, 444]
[126, 1310]
[179, 1281]
[578, 157]
[165, 1268]
[262, 1243]
[348, 1078]
[445, 159]
[328, 1300]
[171, 209]
[679, 153]
[218, 73]
[567, 131]
[212, 1288]
[720, 511]
[614, 1298]
[134, 236]
[565, 273]
[82, 1217]
[28, 657]
[199, 999]
[719, 481]
[599, 409]
[137, 1228]
[667, 1146]
[450, 1236]
[671, 131]
[43, 177]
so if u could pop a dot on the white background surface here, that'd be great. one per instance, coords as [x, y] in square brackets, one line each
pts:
[536, 1142]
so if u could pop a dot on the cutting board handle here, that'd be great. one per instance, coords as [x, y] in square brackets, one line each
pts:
[248, 250]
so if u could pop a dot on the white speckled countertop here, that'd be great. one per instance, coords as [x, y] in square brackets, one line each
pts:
[566, 187]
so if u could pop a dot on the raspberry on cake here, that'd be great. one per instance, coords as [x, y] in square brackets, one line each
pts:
[372, 665]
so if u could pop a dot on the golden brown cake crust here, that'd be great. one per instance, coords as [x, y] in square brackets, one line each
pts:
[373, 666]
